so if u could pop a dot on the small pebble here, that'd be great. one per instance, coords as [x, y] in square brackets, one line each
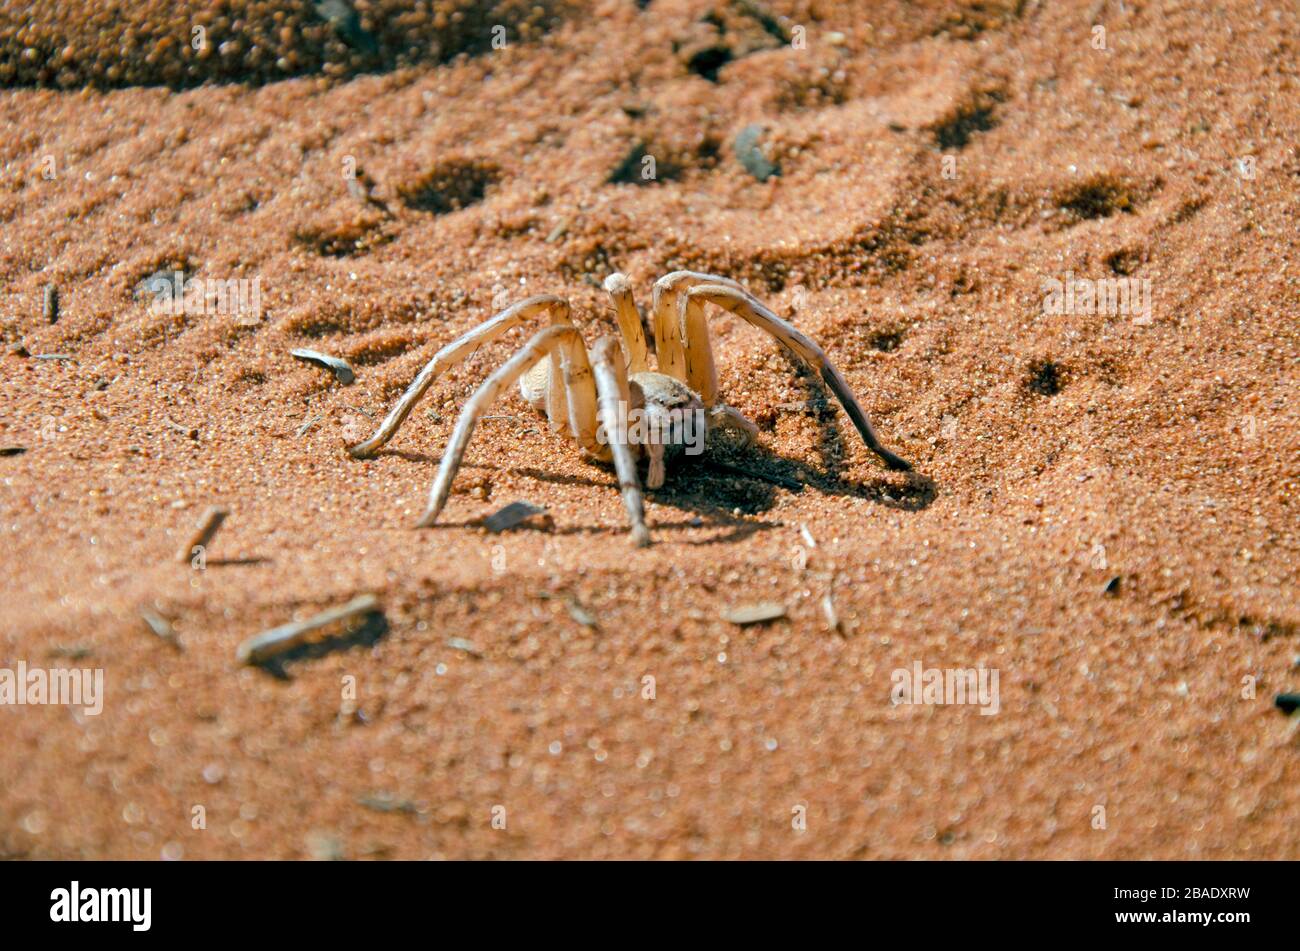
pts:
[342, 371]
[751, 154]
[511, 515]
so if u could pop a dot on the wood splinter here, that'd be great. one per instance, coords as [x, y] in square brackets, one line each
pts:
[161, 627]
[207, 528]
[277, 640]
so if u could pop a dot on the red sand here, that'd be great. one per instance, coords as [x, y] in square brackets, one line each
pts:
[1054, 453]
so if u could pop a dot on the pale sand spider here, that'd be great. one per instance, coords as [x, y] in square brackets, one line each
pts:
[576, 400]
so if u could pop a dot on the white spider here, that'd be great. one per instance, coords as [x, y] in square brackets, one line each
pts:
[592, 407]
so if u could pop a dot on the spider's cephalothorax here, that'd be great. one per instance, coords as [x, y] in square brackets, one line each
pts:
[610, 402]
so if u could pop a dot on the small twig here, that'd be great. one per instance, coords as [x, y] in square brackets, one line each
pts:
[832, 616]
[208, 527]
[73, 652]
[51, 304]
[277, 640]
[307, 424]
[54, 356]
[579, 613]
[161, 627]
[386, 802]
[460, 644]
[342, 371]
[357, 409]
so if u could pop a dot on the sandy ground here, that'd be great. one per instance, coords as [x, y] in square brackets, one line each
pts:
[1103, 508]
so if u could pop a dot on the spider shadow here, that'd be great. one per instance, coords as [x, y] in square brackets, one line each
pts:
[720, 516]
[748, 479]
[727, 478]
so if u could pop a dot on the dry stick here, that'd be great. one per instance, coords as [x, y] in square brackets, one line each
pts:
[208, 527]
[51, 303]
[161, 627]
[277, 640]
[807, 535]
[828, 607]
[311, 421]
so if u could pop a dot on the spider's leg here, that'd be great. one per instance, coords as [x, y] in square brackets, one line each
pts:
[746, 307]
[629, 323]
[702, 373]
[454, 353]
[612, 387]
[670, 339]
[579, 385]
[722, 416]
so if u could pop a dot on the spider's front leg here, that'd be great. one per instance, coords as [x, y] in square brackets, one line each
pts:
[452, 354]
[747, 307]
[615, 399]
[580, 391]
[682, 335]
[671, 344]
